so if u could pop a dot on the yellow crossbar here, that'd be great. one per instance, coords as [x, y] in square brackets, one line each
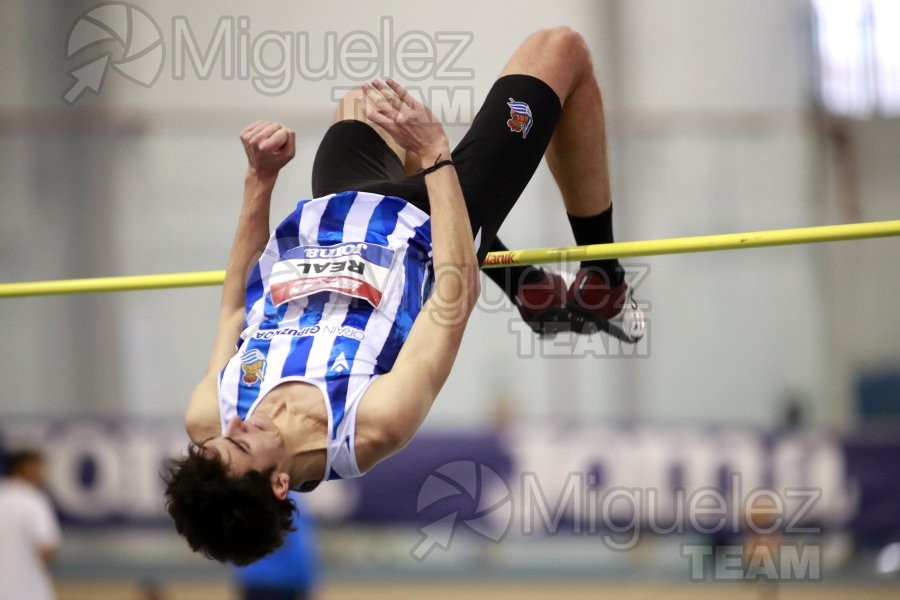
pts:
[702, 243]
[705, 243]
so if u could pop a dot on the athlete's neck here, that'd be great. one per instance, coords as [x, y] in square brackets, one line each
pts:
[298, 410]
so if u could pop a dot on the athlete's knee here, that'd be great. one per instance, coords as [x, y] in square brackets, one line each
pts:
[569, 46]
[559, 56]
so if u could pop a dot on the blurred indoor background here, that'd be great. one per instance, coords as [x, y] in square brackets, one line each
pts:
[781, 365]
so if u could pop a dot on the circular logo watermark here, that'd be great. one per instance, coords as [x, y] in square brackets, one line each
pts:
[467, 494]
[122, 37]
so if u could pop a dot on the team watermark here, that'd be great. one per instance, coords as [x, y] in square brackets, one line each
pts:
[471, 496]
[123, 38]
[573, 339]
[756, 560]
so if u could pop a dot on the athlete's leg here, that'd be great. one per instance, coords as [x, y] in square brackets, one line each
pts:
[577, 152]
[577, 157]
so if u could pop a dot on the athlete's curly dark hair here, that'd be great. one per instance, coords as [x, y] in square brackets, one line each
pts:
[233, 519]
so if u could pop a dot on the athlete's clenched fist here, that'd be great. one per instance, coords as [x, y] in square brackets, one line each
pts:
[269, 146]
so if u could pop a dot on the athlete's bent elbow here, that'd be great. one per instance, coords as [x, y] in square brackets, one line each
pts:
[198, 428]
[374, 444]
[193, 428]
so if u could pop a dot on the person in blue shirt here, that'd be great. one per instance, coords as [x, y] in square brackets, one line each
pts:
[290, 573]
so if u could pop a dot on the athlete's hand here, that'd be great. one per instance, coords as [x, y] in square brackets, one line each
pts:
[269, 146]
[412, 124]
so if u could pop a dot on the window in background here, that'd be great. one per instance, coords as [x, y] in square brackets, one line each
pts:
[887, 54]
[858, 44]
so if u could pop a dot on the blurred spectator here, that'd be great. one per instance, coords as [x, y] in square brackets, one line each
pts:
[762, 539]
[150, 590]
[29, 531]
[290, 572]
[762, 544]
[794, 412]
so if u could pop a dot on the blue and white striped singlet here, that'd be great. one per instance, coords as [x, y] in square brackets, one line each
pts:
[330, 303]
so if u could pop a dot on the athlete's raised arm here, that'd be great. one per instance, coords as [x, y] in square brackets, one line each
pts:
[269, 146]
[397, 402]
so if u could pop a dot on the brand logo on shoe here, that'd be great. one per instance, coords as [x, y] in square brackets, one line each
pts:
[521, 119]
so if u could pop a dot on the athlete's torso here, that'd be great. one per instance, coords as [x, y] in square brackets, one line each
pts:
[330, 303]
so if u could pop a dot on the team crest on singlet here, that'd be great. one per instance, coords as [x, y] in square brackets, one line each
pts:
[520, 117]
[253, 366]
[356, 269]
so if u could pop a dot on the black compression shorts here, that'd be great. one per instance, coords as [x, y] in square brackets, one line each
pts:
[494, 161]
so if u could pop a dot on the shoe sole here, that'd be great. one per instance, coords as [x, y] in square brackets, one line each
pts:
[551, 321]
[602, 324]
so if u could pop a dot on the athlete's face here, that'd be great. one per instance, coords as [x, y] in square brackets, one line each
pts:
[251, 445]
